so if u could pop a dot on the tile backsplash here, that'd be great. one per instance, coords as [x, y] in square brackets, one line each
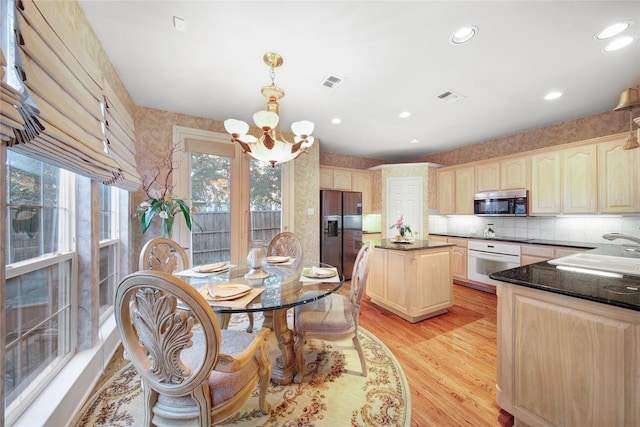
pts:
[371, 223]
[562, 228]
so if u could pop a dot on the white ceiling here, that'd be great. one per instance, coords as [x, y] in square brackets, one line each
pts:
[393, 56]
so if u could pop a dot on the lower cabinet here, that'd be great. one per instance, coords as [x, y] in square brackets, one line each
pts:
[414, 284]
[564, 361]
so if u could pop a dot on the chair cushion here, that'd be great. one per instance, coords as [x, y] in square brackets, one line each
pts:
[223, 385]
[332, 314]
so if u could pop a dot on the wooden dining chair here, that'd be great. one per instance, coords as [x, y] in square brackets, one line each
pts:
[282, 244]
[162, 254]
[193, 373]
[334, 317]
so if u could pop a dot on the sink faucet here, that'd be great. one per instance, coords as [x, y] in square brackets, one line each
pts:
[614, 236]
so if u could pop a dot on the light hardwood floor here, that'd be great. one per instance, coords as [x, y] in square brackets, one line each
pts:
[449, 360]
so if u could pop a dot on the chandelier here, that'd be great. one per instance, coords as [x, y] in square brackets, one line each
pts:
[271, 146]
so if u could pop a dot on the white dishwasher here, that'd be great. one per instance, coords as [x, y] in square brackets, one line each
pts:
[488, 256]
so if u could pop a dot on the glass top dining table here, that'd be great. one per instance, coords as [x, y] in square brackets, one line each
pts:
[284, 286]
[277, 288]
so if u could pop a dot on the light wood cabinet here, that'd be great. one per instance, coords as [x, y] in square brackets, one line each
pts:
[545, 183]
[348, 180]
[488, 177]
[618, 177]
[565, 361]
[459, 262]
[579, 180]
[530, 254]
[446, 191]
[514, 173]
[508, 174]
[326, 178]
[464, 190]
[361, 181]
[341, 180]
[414, 284]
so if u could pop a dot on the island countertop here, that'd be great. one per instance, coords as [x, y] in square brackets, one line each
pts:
[411, 246]
[617, 291]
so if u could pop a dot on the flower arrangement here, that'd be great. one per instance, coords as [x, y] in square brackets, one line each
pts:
[162, 203]
[400, 226]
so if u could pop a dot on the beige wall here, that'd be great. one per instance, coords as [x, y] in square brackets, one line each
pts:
[603, 124]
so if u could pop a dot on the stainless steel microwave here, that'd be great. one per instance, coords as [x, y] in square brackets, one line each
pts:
[501, 203]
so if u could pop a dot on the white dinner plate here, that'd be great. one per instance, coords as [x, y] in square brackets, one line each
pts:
[319, 272]
[212, 268]
[277, 259]
[228, 291]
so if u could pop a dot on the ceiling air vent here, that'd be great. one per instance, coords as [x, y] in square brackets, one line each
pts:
[332, 81]
[449, 96]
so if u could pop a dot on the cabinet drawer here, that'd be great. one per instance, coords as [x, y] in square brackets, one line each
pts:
[538, 251]
[459, 242]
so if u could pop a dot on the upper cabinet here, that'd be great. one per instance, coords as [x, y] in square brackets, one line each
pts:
[545, 183]
[508, 174]
[618, 177]
[465, 190]
[446, 191]
[455, 190]
[348, 180]
[579, 180]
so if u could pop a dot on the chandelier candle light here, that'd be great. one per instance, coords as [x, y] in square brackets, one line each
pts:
[629, 99]
[271, 146]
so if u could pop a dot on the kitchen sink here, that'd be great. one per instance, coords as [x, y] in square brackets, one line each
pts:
[608, 263]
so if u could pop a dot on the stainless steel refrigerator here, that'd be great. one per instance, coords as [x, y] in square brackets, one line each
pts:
[340, 229]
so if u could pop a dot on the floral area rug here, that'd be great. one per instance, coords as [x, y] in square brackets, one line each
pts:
[332, 392]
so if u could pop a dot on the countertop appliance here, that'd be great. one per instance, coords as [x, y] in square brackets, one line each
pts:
[486, 257]
[501, 203]
[340, 229]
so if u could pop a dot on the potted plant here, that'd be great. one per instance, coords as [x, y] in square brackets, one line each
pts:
[162, 203]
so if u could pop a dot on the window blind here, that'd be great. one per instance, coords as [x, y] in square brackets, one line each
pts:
[120, 136]
[77, 133]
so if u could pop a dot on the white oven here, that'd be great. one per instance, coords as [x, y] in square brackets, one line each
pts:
[488, 256]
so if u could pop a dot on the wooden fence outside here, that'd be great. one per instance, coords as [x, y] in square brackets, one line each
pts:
[211, 233]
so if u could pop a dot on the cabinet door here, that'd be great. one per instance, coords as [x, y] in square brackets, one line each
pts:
[361, 181]
[342, 180]
[326, 178]
[618, 176]
[464, 190]
[579, 180]
[446, 192]
[545, 183]
[459, 263]
[513, 174]
[376, 279]
[488, 177]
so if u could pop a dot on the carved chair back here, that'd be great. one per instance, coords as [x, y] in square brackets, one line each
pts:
[161, 254]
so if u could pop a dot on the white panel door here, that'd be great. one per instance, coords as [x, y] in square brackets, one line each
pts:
[405, 195]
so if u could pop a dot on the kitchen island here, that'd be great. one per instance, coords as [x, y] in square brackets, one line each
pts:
[412, 279]
[569, 345]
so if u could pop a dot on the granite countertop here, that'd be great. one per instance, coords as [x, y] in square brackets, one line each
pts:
[415, 245]
[584, 245]
[621, 292]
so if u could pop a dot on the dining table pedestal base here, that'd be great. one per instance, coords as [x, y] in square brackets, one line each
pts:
[283, 357]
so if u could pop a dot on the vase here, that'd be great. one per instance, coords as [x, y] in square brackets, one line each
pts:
[167, 229]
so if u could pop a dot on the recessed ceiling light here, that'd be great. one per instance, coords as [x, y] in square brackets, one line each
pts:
[464, 34]
[404, 114]
[618, 43]
[414, 141]
[336, 121]
[613, 30]
[552, 95]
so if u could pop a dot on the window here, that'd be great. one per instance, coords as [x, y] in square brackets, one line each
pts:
[211, 200]
[39, 320]
[266, 200]
[109, 249]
